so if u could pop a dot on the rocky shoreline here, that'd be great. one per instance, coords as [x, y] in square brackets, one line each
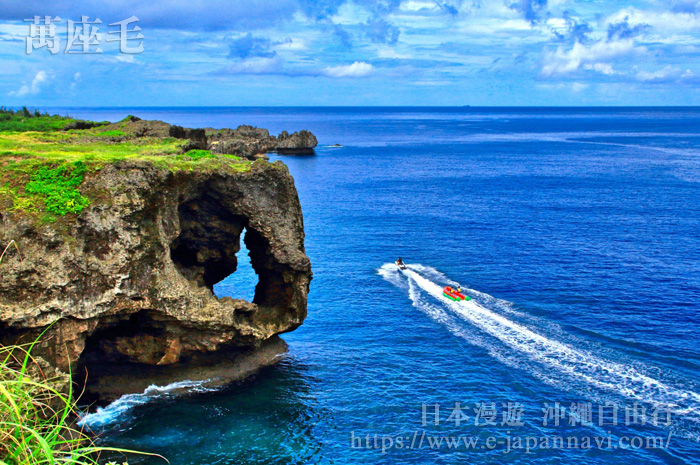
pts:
[245, 141]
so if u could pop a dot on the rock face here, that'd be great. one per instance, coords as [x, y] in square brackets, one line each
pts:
[130, 280]
[249, 141]
[244, 141]
[299, 142]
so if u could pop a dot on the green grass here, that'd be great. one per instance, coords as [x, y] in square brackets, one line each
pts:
[58, 187]
[36, 416]
[199, 154]
[39, 171]
[42, 167]
[20, 149]
[112, 133]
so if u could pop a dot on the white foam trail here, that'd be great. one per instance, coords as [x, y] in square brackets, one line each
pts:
[104, 416]
[565, 359]
[433, 274]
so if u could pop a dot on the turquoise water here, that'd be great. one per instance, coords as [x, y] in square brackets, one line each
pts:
[575, 231]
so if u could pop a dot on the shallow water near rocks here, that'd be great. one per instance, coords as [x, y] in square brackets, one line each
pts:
[575, 233]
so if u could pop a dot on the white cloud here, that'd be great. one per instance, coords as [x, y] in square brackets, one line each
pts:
[256, 66]
[40, 78]
[602, 68]
[355, 70]
[124, 58]
[667, 74]
[594, 57]
[351, 13]
[414, 5]
[387, 52]
[667, 21]
[77, 77]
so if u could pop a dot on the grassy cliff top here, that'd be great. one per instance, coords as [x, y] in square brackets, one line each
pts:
[45, 158]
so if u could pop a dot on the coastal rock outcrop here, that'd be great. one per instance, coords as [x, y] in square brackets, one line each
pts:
[249, 141]
[129, 280]
[299, 142]
[245, 141]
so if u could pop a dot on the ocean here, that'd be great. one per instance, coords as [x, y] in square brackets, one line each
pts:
[574, 231]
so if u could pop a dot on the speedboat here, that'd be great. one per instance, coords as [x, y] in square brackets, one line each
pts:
[452, 294]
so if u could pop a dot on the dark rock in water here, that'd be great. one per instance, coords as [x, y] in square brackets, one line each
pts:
[297, 143]
[129, 281]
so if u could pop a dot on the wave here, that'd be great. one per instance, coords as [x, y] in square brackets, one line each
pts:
[562, 362]
[105, 416]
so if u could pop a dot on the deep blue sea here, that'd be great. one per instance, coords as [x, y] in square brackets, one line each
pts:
[576, 233]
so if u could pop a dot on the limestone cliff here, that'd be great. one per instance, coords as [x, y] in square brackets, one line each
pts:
[129, 279]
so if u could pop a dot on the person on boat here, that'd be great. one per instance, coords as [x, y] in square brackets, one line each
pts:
[399, 261]
[459, 289]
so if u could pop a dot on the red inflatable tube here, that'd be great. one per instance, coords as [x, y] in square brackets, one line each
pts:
[449, 292]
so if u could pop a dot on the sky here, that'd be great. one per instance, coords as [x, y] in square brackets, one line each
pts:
[350, 52]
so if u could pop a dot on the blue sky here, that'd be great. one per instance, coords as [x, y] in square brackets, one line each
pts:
[338, 52]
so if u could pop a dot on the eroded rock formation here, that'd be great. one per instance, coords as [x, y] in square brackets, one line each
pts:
[129, 281]
[299, 142]
[244, 141]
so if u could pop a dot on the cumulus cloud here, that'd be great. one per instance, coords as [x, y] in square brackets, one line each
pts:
[595, 57]
[669, 74]
[356, 70]
[34, 88]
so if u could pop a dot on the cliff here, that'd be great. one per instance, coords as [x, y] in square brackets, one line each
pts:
[119, 254]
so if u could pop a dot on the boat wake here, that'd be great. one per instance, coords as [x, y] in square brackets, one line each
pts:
[493, 324]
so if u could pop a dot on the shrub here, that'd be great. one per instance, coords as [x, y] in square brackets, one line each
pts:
[59, 187]
[199, 154]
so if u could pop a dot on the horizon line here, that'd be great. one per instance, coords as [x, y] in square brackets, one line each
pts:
[365, 106]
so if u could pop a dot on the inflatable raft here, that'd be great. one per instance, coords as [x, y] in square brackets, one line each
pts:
[452, 294]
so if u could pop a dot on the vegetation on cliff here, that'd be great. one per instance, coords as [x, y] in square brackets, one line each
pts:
[25, 120]
[44, 159]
